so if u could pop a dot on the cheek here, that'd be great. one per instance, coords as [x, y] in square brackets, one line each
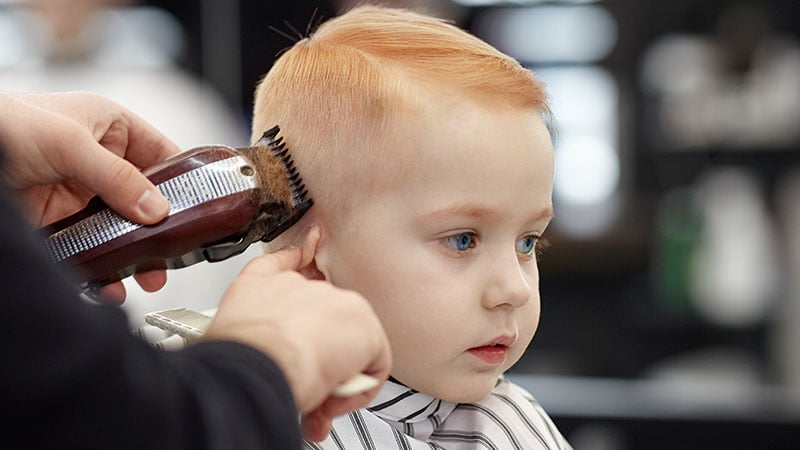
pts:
[531, 312]
[405, 294]
[374, 271]
[528, 320]
[405, 286]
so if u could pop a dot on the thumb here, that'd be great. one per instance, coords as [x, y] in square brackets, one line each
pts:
[287, 258]
[316, 426]
[123, 187]
[317, 423]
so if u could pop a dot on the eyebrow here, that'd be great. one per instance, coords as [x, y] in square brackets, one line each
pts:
[475, 211]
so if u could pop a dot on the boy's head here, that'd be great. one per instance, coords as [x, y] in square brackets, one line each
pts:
[431, 169]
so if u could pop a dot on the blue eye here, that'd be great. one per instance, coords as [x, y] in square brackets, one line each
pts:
[526, 245]
[461, 241]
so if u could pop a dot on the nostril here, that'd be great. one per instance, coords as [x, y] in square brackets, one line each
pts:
[508, 284]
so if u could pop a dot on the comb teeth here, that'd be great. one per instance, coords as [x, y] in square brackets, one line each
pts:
[275, 143]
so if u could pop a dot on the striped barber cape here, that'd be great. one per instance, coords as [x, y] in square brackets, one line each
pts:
[404, 419]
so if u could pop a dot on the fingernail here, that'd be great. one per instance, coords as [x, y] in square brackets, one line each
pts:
[152, 204]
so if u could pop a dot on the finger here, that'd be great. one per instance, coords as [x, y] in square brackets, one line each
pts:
[309, 246]
[151, 281]
[120, 184]
[317, 423]
[381, 364]
[287, 258]
[316, 426]
[335, 406]
[112, 294]
[146, 145]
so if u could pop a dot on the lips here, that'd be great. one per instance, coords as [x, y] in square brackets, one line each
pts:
[504, 341]
[494, 351]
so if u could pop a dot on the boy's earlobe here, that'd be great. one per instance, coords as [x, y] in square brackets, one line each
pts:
[311, 271]
[308, 265]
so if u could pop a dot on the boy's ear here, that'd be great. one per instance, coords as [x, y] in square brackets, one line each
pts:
[311, 271]
[309, 247]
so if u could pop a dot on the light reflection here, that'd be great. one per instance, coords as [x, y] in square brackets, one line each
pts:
[583, 98]
[585, 33]
[563, 42]
[588, 170]
[475, 3]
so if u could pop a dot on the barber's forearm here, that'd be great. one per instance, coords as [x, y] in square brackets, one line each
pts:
[248, 400]
[80, 376]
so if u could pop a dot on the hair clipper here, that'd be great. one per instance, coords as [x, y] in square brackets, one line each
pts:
[221, 199]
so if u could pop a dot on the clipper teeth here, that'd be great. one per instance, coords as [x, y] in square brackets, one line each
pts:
[270, 138]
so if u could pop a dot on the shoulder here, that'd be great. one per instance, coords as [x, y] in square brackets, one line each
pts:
[509, 395]
[513, 391]
[358, 429]
[519, 406]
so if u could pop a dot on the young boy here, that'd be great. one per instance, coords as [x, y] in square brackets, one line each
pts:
[431, 168]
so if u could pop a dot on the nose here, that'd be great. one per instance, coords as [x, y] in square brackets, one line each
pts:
[509, 284]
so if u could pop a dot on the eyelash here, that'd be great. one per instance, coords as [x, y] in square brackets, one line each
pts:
[542, 244]
[453, 242]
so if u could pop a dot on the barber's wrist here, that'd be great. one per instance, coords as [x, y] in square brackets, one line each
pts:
[6, 98]
[6, 113]
[12, 112]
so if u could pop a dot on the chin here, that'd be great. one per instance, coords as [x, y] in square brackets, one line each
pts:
[470, 396]
[466, 391]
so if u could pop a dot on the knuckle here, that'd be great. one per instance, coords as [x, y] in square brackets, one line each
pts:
[121, 172]
[357, 303]
[270, 265]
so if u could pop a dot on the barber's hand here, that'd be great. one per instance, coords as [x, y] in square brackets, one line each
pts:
[62, 149]
[319, 335]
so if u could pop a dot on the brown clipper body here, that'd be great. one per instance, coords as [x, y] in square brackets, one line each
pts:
[222, 199]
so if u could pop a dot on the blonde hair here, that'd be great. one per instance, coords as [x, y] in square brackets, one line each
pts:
[336, 93]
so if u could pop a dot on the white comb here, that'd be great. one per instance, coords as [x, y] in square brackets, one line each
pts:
[191, 325]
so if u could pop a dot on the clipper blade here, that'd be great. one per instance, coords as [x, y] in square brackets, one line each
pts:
[284, 195]
[275, 143]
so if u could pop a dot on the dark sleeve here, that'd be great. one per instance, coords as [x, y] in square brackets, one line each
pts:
[73, 377]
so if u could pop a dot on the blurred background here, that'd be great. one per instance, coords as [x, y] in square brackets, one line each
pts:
[671, 288]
